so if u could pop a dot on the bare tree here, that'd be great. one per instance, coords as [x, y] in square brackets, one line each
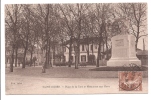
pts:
[44, 16]
[12, 18]
[25, 33]
[89, 28]
[136, 14]
[33, 40]
[70, 25]
[100, 15]
[47, 15]
[79, 12]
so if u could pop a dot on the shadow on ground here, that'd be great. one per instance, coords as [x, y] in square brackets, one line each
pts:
[67, 72]
[120, 69]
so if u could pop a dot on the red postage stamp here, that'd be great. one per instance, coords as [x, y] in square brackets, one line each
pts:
[130, 81]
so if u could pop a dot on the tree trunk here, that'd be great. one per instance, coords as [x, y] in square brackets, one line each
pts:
[76, 61]
[12, 59]
[103, 50]
[46, 61]
[99, 51]
[48, 55]
[98, 57]
[70, 51]
[107, 52]
[77, 55]
[107, 55]
[44, 68]
[16, 50]
[136, 44]
[26, 44]
[47, 36]
[51, 60]
[88, 53]
[31, 57]
[78, 52]
[76, 49]
[92, 48]
[24, 58]
[54, 54]
[50, 63]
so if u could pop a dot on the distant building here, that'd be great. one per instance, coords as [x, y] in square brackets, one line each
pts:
[37, 53]
[143, 56]
[88, 50]
[92, 47]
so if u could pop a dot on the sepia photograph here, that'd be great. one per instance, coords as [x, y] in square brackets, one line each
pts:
[76, 48]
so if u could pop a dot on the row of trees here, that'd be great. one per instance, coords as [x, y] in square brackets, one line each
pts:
[28, 25]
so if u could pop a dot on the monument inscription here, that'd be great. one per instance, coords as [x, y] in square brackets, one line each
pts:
[119, 43]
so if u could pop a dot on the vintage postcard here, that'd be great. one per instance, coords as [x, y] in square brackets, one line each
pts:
[76, 48]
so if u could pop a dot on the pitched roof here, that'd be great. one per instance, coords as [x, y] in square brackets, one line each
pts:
[84, 40]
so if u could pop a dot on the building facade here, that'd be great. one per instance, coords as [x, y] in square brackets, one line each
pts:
[93, 50]
[88, 52]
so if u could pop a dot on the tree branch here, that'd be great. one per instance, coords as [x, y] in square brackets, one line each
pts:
[142, 36]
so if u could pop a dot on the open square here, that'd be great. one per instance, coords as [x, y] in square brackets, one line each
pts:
[64, 80]
[76, 48]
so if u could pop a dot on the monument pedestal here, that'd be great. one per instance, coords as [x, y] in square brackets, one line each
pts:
[124, 62]
[123, 51]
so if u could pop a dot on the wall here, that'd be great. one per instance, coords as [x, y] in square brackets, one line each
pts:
[83, 52]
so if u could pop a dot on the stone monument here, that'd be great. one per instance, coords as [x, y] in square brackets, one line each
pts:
[123, 48]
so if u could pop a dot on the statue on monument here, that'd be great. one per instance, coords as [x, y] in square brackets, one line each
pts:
[120, 26]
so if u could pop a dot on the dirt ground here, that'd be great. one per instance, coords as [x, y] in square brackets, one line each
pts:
[64, 80]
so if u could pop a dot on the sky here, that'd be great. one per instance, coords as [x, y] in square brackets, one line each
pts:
[140, 43]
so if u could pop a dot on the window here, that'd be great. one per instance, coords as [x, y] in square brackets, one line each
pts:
[82, 47]
[83, 58]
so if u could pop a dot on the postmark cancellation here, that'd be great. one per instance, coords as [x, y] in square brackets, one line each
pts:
[130, 81]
